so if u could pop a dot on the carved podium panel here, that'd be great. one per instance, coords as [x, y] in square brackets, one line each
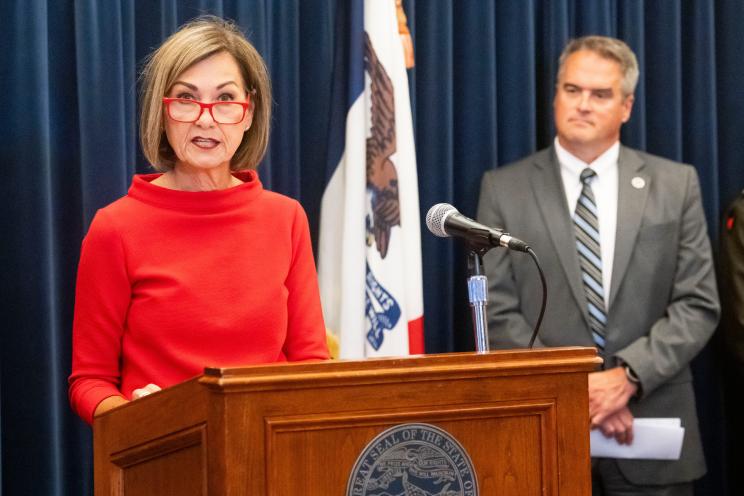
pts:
[521, 417]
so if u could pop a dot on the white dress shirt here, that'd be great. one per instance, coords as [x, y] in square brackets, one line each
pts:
[604, 186]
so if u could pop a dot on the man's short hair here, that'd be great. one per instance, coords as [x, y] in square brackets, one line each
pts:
[608, 48]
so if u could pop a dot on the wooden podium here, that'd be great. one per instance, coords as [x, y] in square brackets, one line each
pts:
[298, 429]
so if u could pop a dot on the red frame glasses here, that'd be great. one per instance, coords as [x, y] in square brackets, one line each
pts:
[208, 106]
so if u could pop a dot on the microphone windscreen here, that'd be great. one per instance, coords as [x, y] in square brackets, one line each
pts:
[436, 216]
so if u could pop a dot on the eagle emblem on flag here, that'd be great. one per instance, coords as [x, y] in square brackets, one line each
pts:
[382, 176]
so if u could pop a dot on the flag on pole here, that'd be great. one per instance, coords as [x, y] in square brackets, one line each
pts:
[369, 256]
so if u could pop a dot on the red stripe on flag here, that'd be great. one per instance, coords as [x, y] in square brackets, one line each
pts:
[416, 336]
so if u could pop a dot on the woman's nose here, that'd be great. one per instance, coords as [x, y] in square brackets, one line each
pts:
[205, 118]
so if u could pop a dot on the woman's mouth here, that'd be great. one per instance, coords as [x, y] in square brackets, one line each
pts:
[206, 143]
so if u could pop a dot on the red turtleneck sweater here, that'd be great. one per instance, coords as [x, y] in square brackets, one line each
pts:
[172, 281]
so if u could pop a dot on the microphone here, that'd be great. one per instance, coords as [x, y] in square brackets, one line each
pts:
[445, 221]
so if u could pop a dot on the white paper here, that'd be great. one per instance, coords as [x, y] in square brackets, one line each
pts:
[653, 439]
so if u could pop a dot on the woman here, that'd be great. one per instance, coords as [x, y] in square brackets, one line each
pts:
[197, 265]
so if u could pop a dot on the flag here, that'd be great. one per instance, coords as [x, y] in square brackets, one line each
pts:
[369, 252]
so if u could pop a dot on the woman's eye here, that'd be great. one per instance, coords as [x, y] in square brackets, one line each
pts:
[226, 97]
[185, 96]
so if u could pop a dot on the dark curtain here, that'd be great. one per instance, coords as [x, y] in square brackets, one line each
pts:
[481, 94]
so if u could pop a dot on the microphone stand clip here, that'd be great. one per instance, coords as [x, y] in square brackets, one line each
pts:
[478, 296]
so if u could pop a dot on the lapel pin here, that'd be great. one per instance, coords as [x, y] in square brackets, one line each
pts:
[638, 182]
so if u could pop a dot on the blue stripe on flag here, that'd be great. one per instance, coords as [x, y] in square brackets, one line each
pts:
[348, 76]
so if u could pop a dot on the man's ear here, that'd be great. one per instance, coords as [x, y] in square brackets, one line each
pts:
[628, 107]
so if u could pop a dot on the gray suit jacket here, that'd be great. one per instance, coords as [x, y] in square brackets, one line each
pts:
[663, 298]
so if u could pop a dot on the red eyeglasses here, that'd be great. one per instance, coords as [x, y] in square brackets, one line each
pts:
[185, 110]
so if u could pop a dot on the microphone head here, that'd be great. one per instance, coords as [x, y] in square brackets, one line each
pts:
[436, 216]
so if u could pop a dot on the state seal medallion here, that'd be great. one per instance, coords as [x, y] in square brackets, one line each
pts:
[413, 460]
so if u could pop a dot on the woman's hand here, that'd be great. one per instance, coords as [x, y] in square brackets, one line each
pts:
[108, 404]
[142, 392]
[114, 401]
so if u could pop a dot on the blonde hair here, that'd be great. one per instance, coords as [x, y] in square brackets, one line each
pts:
[192, 43]
[607, 48]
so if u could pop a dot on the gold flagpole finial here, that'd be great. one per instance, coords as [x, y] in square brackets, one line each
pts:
[405, 35]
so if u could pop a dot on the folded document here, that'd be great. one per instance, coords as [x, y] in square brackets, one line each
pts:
[653, 439]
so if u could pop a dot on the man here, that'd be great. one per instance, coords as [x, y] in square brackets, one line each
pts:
[622, 239]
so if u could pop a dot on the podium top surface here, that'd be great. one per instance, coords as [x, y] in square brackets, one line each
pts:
[416, 367]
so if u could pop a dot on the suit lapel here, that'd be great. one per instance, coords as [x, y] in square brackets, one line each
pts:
[633, 187]
[550, 197]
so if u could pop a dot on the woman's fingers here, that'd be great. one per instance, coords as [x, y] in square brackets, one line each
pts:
[144, 391]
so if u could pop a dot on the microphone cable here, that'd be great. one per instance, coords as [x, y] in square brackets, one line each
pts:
[544, 297]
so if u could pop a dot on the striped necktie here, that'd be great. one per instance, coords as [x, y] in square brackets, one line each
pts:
[586, 228]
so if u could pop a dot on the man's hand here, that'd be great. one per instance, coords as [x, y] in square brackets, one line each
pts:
[618, 425]
[609, 392]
